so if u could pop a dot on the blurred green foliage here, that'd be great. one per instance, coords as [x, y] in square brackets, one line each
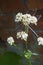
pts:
[10, 58]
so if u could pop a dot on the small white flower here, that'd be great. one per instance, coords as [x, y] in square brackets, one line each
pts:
[10, 40]
[18, 17]
[33, 20]
[26, 16]
[18, 34]
[40, 41]
[22, 35]
[25, 19]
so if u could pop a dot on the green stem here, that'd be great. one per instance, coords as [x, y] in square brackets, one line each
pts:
[26, 42]
[17, 46]
[29, 62]
[26, 45]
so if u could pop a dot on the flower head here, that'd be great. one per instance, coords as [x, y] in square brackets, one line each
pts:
[33, 20]
[18, 35]
[40, 41]
[10, 40]
[18, 17]
[22, 35]
[26, 18]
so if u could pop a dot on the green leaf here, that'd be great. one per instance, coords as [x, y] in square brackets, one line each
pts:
[10, 58]
[28, 54]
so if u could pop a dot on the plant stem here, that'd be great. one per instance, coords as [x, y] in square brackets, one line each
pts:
[26, 42]
[26, 45]
[29, 62]
[17, 47]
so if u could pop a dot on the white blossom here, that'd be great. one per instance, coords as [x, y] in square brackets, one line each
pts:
[22, 35]
[18, 34]
[40, 40]
[10, 40]
[18, 17]
[33, 20]
[26, 18]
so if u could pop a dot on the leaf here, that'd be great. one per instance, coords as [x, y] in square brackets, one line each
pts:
[10, 58]
[28, 54]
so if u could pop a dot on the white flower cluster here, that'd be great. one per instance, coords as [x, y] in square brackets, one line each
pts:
[26, 19]
[22, 35]
[40, 41]
[10, 40]
[18, 17]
